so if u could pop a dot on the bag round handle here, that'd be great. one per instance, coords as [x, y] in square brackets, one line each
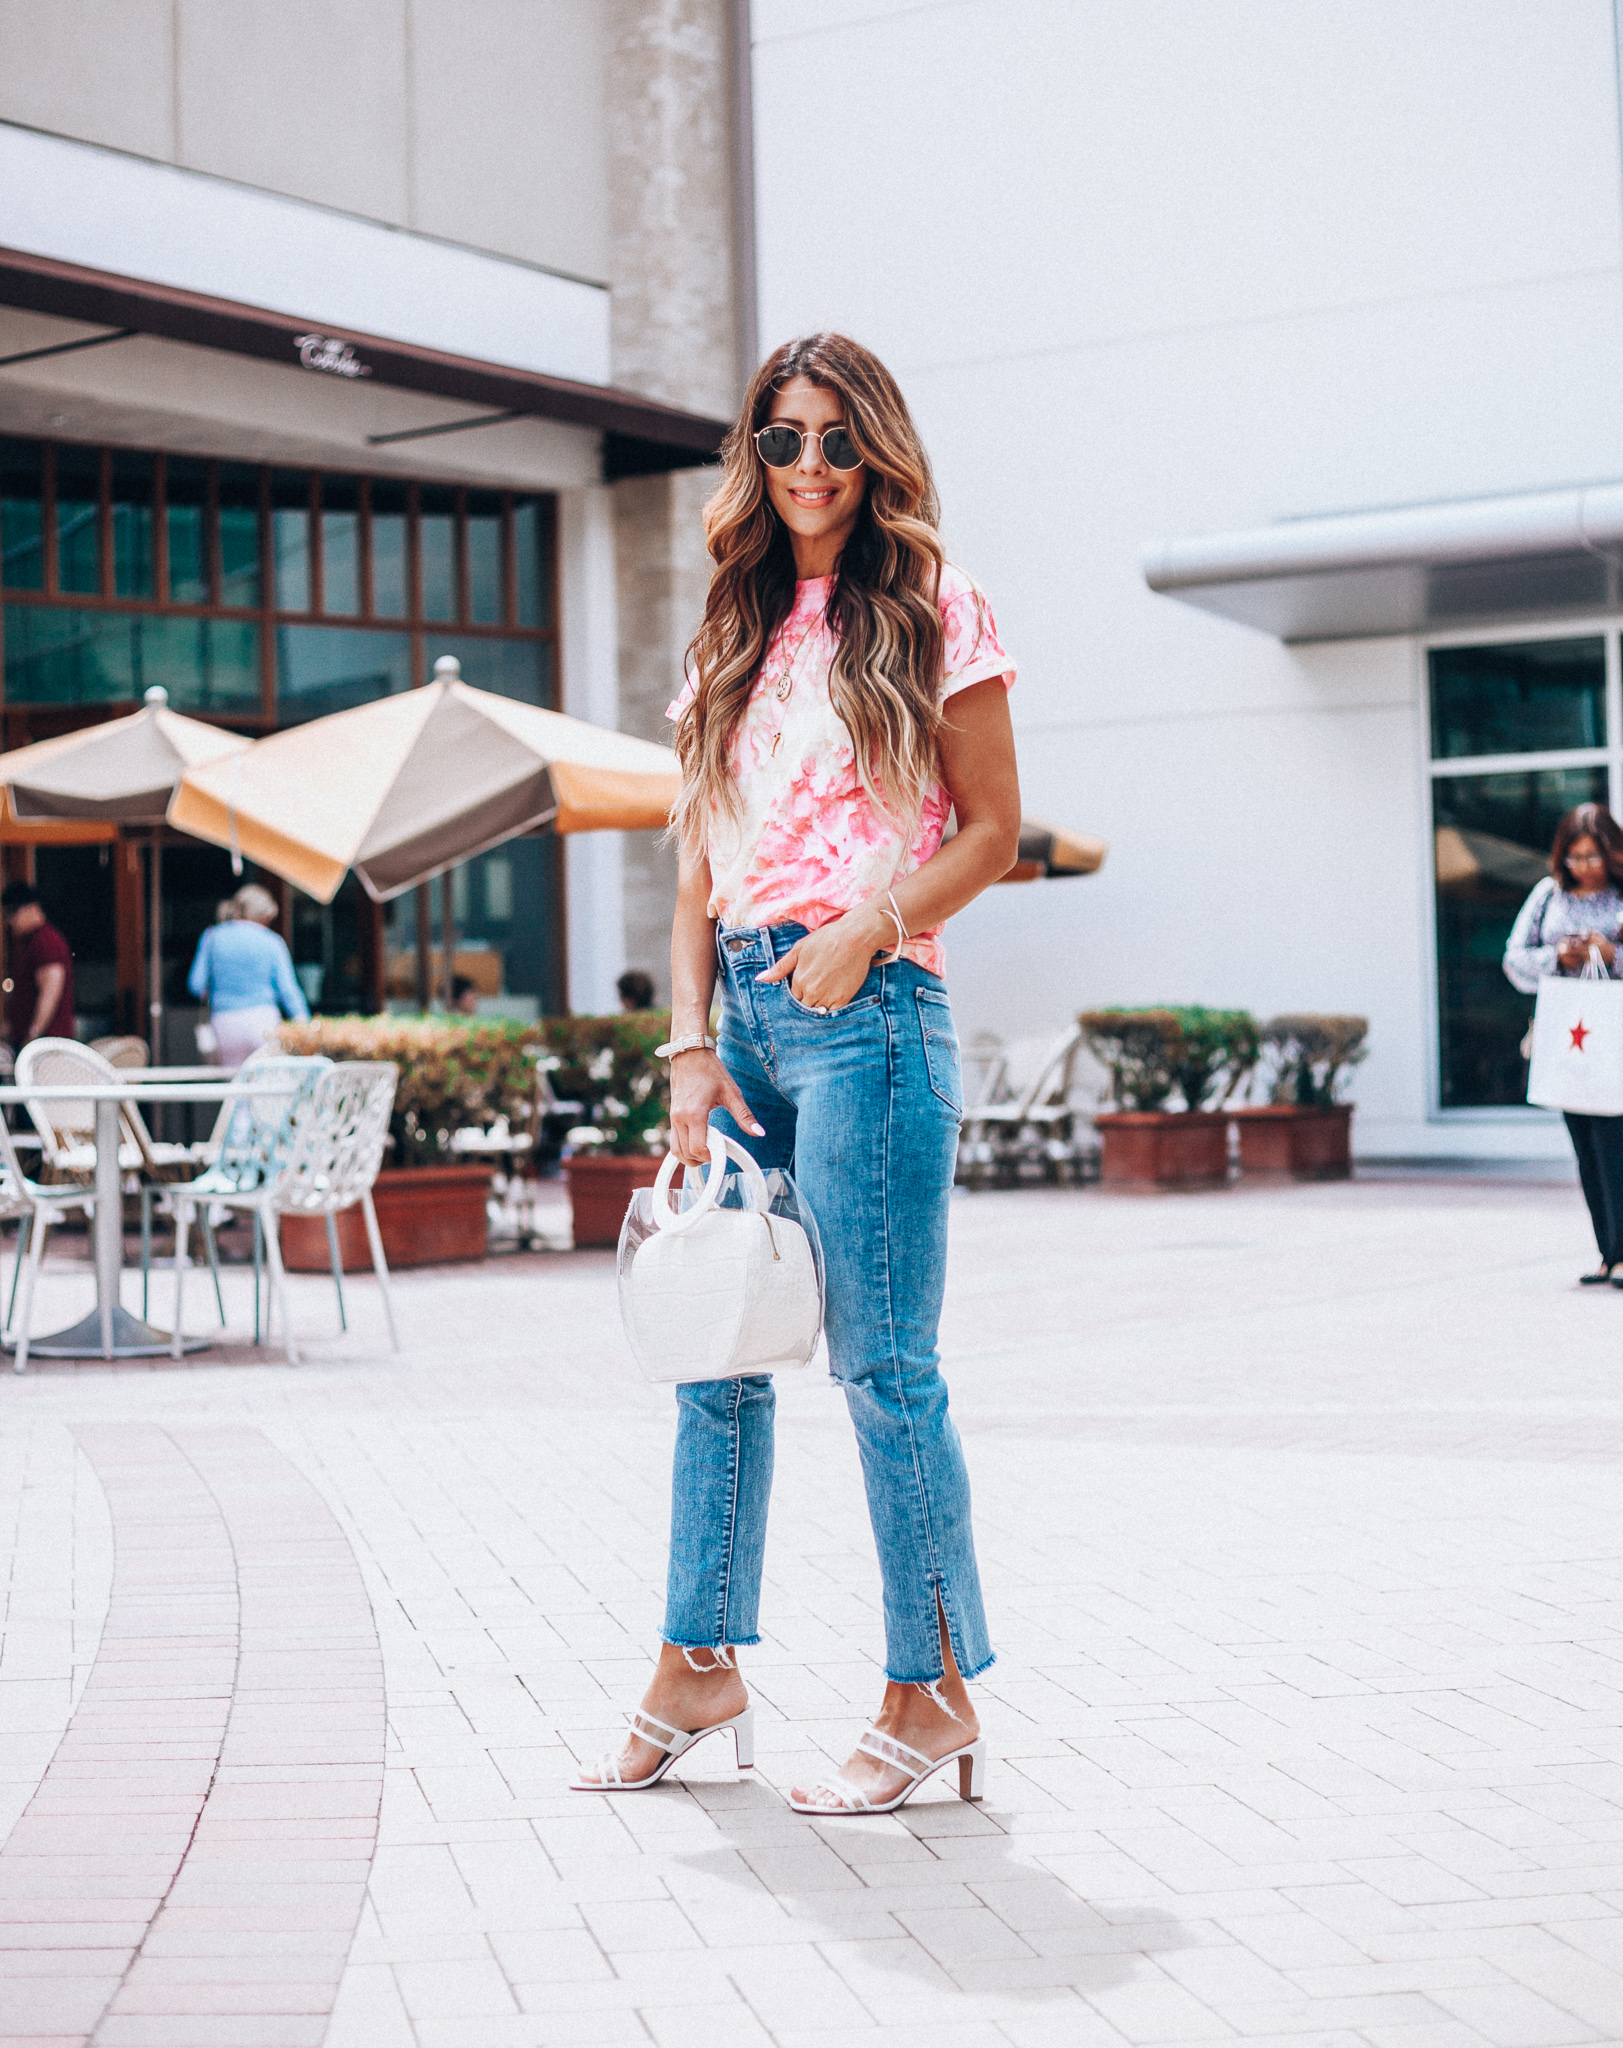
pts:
[722, 1148]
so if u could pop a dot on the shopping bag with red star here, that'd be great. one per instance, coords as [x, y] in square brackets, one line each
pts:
[1578, 1043]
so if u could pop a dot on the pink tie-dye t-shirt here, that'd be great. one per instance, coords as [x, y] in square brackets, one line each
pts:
[807, 843]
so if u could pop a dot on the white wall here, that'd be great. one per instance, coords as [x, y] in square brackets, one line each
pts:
[1150, 267]
[482, 121]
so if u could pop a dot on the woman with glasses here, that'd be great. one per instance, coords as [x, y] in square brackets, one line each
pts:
[1576, 909]
[847, 691]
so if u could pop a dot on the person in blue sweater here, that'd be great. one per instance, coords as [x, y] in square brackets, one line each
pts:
[244, 972]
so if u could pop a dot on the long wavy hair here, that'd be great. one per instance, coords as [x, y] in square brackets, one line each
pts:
[882, 607]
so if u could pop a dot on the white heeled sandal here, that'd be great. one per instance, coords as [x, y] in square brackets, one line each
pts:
[971, 1762]
[675, 1742]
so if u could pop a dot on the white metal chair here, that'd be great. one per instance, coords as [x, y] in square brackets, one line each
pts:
[1034, 1115]
[36, 1209]
[67, 1130]
[123, 1051]
[325, 1160]
[243, 1124]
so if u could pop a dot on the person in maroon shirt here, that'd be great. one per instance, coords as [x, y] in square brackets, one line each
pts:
[40, 1001]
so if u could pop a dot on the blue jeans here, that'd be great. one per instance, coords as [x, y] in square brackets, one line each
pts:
[863, 1108]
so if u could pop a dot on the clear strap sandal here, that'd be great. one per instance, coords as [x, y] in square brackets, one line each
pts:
[971, 1762]
[674, 1742]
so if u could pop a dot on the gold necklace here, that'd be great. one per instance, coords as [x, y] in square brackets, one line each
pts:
[785, 681]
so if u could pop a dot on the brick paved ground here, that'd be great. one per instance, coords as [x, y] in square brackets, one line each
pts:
[1299, 1514]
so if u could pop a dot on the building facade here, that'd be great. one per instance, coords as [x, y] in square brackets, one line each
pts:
[335, 340]
[1271, 359]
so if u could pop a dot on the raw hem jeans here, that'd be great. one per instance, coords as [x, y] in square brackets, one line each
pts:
[863, 1108]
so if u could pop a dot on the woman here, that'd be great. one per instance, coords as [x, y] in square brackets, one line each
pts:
[244, 972]
[1578, 906]
[848, 690]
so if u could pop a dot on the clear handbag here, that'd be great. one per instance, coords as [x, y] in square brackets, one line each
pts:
[727, 1284]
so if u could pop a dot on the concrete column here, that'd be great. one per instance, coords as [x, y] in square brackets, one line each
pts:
[593, 873]
[675, 327]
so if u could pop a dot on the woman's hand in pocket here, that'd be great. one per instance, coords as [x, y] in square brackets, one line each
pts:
[699, 1084]
[825, 969]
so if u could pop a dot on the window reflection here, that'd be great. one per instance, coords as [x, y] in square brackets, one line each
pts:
[78, 520]
[513, 668]
[330, 668]
[186, 494]
[134, 496]
[22, 524]
[390, 597]
[484, 530]
[532, 547]
[340, 545]
[239, 535]
[436, 541]
[290, 538]
[1491, 843]
[1528, 697]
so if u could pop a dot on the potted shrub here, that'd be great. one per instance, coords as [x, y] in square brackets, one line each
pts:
[1302, 1130]
[608, 1063]
[1198, 1056]
[453, 1075]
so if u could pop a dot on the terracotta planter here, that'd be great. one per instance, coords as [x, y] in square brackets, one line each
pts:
[427, 1216]
[600, 1189]
[1285, 1138]
[1164, 1148]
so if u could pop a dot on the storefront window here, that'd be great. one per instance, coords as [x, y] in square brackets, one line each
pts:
[56, 656]
[436, 532]
[512, 668]
[22, 515]
[267, 597]
[78, 520]
[134, 496]
[239, 535]
[341, 545]
[186, 491]
[532, 555]
[1491, 833]
[332, 668]
[290, 539]
[485, 606]
[1538, 697]
[390, 592]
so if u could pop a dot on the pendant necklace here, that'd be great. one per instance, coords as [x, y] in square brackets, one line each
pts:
[786, 679]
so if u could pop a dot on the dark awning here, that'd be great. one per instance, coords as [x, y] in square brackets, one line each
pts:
[640, 436]
[1355, 575]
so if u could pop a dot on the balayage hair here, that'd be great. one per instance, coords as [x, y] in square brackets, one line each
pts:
[882, 607]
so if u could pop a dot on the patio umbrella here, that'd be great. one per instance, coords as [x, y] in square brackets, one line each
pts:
[1052, 851]
[122, 772]
[403, 789]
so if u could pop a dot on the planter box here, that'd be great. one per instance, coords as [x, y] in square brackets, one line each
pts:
[427, 1216]
[1164, 1148]
[600, 1189]
[1305, 1144]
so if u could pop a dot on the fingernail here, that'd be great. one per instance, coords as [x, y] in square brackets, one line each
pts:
[757, 1130]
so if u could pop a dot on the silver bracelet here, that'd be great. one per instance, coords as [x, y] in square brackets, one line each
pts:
[695, 1042]
[902, 933]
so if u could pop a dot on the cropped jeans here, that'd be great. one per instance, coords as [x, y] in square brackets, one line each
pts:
[862, 1107]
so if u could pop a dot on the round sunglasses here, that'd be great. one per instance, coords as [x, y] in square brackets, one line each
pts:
[779, 446]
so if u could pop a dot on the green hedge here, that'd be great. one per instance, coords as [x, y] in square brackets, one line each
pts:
[457, 1073]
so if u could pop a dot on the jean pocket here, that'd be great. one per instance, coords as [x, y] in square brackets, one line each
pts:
[940, 1047]
[860, 1001]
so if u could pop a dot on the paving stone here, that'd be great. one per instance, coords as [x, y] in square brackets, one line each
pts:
[1297, 1520]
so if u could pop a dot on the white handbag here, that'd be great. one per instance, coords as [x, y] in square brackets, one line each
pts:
[731, 1284]
[1577, 1054]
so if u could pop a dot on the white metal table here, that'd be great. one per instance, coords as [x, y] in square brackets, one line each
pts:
[110, 1331]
